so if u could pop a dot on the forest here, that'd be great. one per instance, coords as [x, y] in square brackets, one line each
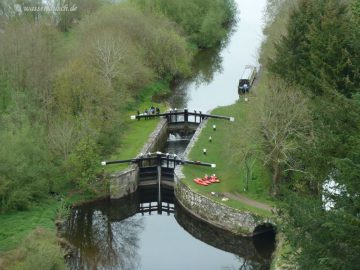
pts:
[71, 72]
[67, 79]
[312, 58]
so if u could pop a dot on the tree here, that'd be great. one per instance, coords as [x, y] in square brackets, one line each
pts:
[83, 164]
[320, 52]
[285, 122]
[205, 22]
[325, 237]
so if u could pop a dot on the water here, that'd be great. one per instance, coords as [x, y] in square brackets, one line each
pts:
[114, 234]
[218, 70]
[177, 143]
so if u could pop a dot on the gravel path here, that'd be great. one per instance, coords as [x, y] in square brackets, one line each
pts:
[241, 198]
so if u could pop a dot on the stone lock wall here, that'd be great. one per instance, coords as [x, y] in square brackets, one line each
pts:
[126, 182]
[220, 215]
[211, 211]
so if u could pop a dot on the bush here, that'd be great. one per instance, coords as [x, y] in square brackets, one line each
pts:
[24, 166]
[83, 164]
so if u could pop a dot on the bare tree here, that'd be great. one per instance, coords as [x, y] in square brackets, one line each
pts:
[62, 137]
[286, 121]
[109, 54]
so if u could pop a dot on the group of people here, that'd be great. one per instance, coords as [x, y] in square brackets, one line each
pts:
[150, 111]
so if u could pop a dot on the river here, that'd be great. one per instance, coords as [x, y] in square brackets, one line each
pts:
[113, 234]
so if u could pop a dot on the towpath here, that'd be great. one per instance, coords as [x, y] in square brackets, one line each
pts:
[241, 198]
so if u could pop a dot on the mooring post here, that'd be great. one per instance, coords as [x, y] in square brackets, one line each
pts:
[159, 188]
[195, 115]
[186, 115]
[159, 161]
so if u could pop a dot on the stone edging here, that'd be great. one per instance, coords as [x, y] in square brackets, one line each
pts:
[219, 215]
[178, 169]
[211, 211]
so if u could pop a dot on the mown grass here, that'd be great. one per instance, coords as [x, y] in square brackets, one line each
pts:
[225, 150]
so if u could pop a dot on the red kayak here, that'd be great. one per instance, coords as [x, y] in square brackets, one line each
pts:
[214, 179]
[208, 180]
[211, 179]
[200, 181]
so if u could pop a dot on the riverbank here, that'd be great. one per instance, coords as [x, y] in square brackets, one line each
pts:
[236, 151]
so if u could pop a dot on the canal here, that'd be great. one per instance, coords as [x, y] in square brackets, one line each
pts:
[132, 234]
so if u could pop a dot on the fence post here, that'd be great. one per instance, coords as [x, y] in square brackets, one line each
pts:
[186, 115]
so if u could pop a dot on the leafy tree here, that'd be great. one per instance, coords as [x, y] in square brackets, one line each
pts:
[325, 237]
[83, 164]
[204, 21]
[320, 54]
[24, 167]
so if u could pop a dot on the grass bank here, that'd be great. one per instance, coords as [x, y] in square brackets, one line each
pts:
[15, 226]
[230, 142]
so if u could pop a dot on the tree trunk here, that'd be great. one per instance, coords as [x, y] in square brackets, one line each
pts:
[276, 179]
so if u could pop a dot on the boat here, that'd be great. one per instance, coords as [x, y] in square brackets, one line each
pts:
[247, 79]
[201, 182]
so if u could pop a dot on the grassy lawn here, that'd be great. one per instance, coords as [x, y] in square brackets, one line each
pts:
[225, 150]
[15, 226]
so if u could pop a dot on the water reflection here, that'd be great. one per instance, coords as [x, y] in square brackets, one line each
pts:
[110, 234]
[106, 235]
[205, 65]
[242, 247]
[217, 71]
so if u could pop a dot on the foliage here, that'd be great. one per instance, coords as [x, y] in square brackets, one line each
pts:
[320, 54]
[83, 163]
[323, 49]
[204, 21]
[325, 238]
[64, 98]
[286, 126]
[144, 44]
[24, 167]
